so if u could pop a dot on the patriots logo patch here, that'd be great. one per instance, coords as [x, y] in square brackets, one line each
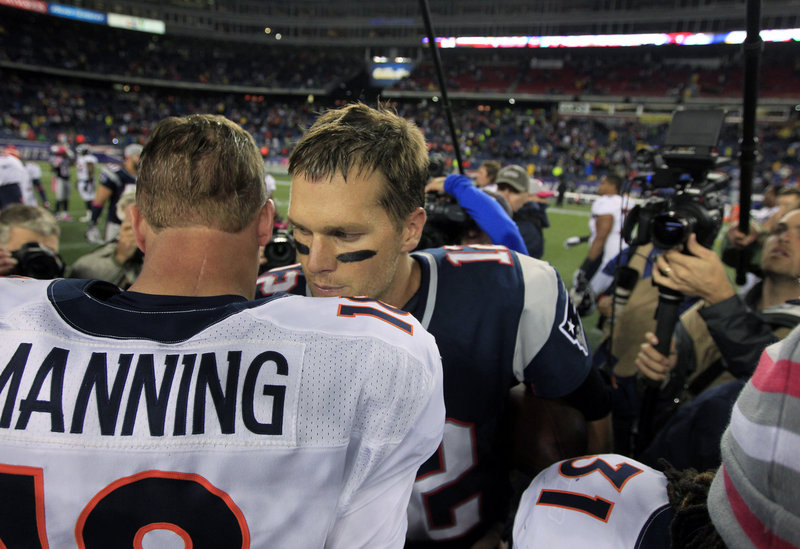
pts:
[572, 328]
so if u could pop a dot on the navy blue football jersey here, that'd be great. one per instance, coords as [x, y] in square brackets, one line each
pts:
[117, 179]
[499, 318]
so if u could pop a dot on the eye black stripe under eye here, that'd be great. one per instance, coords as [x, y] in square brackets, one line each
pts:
[349, 257]
[352, 257]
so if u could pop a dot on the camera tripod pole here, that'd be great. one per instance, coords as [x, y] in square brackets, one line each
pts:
[752, 47]
[437, 63]
[667, 315]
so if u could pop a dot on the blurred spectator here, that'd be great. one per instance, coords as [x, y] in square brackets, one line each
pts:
[527, 198]
[486, 175]
[35, 174]
[769, 204]
[737, 244]
[118, 261]
[29, 242]
[61, 164]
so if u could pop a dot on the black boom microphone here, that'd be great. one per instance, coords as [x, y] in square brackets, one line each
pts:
[426, 15]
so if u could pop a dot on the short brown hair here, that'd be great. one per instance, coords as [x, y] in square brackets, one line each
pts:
[200, 169]
[361, 139]
[33, 218]
[491, 167]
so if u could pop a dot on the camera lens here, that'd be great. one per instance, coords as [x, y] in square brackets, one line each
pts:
[670, 230]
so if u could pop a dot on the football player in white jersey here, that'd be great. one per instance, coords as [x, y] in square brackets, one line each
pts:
[184, 413]
[14, 178]
[605, 226]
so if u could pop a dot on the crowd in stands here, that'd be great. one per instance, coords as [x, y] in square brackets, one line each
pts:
[40, 108]
[38, 41]
[650, 71]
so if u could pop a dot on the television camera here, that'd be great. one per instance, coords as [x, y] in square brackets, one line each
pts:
[685, 198]
[684, 193]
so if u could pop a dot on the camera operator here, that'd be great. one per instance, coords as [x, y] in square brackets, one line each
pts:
[719, 339]
[29, 242]
[119, 261]
[482, 208]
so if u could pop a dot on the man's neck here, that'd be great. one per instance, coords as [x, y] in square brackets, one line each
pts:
[406, 282]
[777, 290]
[198, 262]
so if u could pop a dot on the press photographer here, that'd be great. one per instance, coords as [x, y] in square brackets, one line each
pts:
[29, 242]
[119, 261]
[682, 189]
[449, 222]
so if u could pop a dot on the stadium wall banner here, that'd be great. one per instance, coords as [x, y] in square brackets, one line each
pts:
[30, 5]
[80, 14]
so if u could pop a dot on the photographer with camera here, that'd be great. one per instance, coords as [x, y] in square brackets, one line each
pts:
[119, 261]
[717, 342]
[29, 242]
[487, 212]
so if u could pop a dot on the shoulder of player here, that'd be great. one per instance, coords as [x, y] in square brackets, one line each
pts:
[607, 204]
[111, 172]
[359, 318]
[19, 292]
[487, 266]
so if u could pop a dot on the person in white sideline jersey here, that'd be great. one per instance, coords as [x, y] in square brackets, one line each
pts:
[605, 227]
[182, 413]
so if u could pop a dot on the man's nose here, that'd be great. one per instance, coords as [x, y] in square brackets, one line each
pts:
[321, 256]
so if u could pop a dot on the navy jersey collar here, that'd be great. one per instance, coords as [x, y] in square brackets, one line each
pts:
[101, 309]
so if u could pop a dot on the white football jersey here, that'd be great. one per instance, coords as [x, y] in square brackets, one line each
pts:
[161, 421]
[610, 204]
[605, 501]
[82, 165]
[13, 172]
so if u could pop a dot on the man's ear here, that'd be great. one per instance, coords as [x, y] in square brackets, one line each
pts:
[139, 226]
[412, 229]
[266, 216]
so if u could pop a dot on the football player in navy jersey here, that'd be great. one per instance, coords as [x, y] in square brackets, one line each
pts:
[499, 318]
[183, 413]
[114, 179]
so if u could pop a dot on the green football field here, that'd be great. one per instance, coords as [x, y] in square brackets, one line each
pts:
[570, 220]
